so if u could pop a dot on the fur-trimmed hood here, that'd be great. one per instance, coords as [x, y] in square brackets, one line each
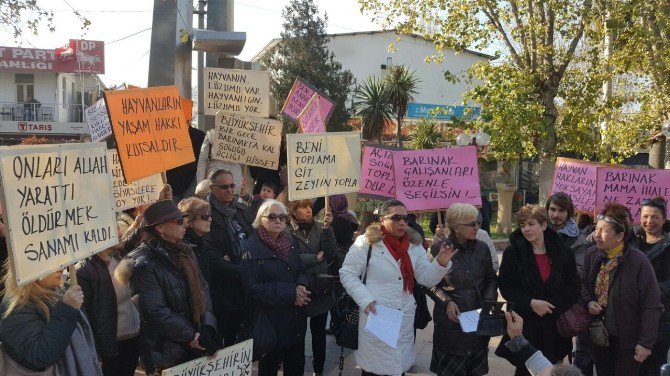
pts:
[373, 234]
[124, 271]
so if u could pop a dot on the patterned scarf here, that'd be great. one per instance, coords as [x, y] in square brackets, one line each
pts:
[399, 250]
[183, 258]
[603, 278]
[280, 246]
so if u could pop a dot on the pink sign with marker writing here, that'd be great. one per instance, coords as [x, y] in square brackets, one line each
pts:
[377, 178]
[301, 93]
[310, 119]
[629, 187]
[577, 179]
[437, 178]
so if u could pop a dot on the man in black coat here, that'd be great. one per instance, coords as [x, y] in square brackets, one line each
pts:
[224, 245]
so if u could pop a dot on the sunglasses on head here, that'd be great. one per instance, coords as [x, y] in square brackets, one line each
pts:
[656, 202]
[609, 220]
[471, 224]
[274, 217]
[398, 217]
[226, 186]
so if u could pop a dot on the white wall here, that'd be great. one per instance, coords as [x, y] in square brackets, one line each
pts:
[364, 53]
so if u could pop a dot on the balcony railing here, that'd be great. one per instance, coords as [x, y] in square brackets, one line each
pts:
[52, 112]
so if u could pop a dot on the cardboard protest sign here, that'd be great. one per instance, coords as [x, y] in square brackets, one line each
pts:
[131, 195]
[58, 206]
[231, 361]
[436, 178]
[377, 177]
[321, 164]
[577, 179]
[300, 94]
[237, 91]
[310, 120]
[97, 120]
[187, 104]
[247, 140]
[629, 187]
[150, 130]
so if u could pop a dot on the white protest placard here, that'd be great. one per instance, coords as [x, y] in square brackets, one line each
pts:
[140, 192]
[252, 141]
[237, 91]
[321, 164]
[97, 120]
[58, 206]
[231, 361]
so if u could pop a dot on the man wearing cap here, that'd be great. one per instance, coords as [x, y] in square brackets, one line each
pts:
[224, 245]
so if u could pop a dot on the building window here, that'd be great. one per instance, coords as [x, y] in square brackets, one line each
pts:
[25, 86]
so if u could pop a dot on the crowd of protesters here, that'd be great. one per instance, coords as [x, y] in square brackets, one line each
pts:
[192, 274]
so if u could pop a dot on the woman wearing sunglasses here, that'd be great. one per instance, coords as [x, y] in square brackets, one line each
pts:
[275, 281]
[539, 274]
[620, 287]
[198, 223]
[396, 258]
[173, 297]
[470, 281]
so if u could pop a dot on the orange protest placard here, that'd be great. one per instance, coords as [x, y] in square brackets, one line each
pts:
[187, 104]
[150, 130]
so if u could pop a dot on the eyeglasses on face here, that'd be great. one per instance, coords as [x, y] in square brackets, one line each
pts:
[609, 220]
[276, 217]
[471, 224]
[225, 186]
[398, 217]
[178, 221]
[204, 217]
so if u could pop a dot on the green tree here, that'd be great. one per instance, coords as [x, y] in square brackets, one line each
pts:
[401, 86]
[371, 105]
[531, 108]
[426, 134]
[17, 16]
[303, 51]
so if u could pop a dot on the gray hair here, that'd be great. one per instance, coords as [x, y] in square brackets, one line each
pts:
[459, 213]
[565, 370]
[216, 173]
[265, 209]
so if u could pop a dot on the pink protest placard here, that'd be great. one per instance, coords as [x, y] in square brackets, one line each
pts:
[577, 179]
[301, 93]
[436, 178]
[629, 187]
[310, 119]
[377, 178]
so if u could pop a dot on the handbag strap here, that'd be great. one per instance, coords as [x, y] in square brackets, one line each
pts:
[367, 262]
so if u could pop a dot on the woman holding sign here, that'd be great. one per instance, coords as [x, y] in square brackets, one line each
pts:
[396, 258]
[538, 274]
[177, 321]
[44, 331]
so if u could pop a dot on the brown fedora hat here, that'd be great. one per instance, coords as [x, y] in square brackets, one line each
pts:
[161, 211]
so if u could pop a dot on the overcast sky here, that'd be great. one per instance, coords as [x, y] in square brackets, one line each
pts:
[127, 60]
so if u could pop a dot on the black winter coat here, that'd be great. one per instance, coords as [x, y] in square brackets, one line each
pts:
[659, 257]
[344, 237]
[163, 297]
[32, 341]
[197, 244]
[270, 283]
[225, 282]
[520, 282]
[471, 268]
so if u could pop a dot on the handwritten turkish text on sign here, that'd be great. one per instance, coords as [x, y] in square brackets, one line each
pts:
[310, 119]
[131, 195]
[321, 164]
[436, 178]
[247, 140]
[629, 187]
[57, 200]
[377, 178]
[150, 130]
[300, 95]
[238, 91]
[231, 361]
[577, 179]
[98, 121]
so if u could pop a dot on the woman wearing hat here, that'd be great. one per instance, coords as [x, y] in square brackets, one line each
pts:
[177, 321]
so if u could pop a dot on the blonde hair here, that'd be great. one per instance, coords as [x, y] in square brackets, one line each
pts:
[459, 213]
[202, 190]
[193, 206]
[265, 208]
[30, 293]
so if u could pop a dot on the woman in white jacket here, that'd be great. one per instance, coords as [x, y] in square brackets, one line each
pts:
[397, 257]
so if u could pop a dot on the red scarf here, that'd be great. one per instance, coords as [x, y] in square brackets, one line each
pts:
[399, 250]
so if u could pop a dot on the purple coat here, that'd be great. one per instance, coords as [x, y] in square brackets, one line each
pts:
[635, 293]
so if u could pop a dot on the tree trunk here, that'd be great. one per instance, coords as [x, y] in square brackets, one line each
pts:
[657, 153]
[398, 139]
[548, 150]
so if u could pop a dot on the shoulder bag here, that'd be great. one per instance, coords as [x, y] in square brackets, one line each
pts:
[347, 334]
[574, 321]
[9, 366]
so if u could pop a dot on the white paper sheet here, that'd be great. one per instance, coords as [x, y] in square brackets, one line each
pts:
[469, 320]
[385, 325]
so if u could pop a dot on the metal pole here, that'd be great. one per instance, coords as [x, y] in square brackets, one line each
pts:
[201, 68]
